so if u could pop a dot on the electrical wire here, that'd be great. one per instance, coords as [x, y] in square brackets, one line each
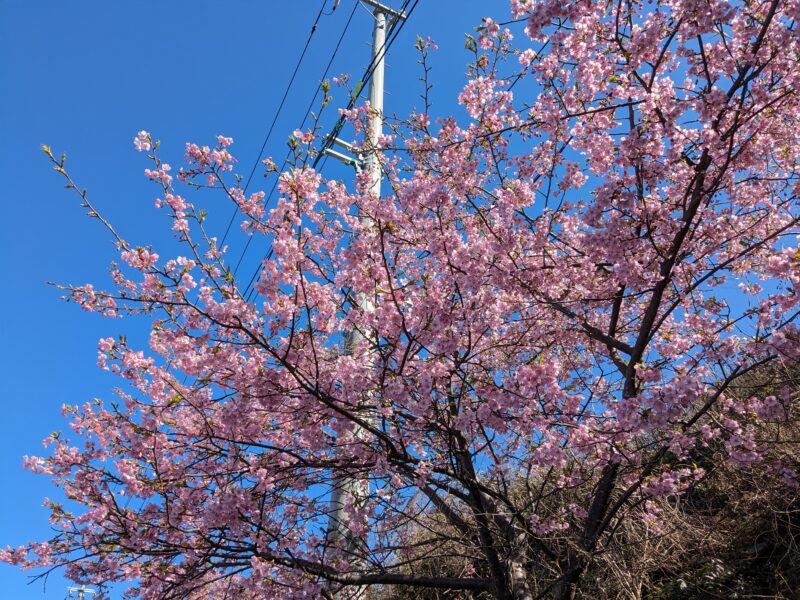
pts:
[365, 79]
[277, 114]
[302, 124]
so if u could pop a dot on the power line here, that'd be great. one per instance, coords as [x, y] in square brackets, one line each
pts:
[249, 290]
[394, 33]
[354, 97]
[277, 114]
[302, 124]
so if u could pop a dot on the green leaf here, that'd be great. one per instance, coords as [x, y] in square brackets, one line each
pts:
[470, 43]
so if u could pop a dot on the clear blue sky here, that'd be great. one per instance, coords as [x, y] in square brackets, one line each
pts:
[84, 77]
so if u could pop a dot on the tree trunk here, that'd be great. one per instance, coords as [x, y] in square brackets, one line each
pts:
[517, 576]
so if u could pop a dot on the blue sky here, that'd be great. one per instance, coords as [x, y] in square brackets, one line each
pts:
[84, 77]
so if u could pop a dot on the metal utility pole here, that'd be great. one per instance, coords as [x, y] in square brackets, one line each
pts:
[350, 489]
[376, 95]
[80, 591]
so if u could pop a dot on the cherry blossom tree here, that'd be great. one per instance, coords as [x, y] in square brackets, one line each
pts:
[561, 292]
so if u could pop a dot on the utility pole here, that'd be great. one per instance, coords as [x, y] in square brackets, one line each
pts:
[80, 592]
[346, 489]
[376, 94]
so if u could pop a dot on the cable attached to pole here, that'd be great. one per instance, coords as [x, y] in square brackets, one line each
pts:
[394, 31]
[277, 114]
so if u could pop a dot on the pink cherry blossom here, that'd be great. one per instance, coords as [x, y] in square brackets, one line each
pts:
[529, 340]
